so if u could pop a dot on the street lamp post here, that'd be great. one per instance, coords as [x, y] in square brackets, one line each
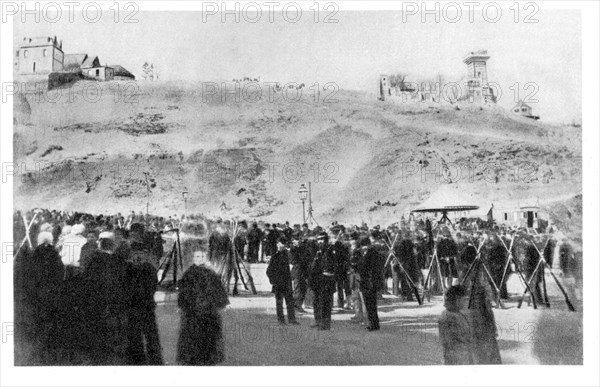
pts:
[310, 209]
[147, 193]
[303, 193]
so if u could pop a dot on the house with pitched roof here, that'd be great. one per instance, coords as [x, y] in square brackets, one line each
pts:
[39, 57]
[92, 68]
[522, 109]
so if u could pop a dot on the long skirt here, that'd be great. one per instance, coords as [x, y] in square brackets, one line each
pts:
[201, 339]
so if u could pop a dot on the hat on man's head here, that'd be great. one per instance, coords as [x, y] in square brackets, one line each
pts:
[365, 242]
[283, 240]
[45, 237]
[78, 229]
[46, 227]
[106, 235]
[335, 229]
[375, 234]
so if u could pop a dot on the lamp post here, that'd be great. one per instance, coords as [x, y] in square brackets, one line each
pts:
[310, 209]
[184, 194]
[303, 193]
[147, 193]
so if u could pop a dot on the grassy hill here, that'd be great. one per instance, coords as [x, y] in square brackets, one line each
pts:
[367, 160]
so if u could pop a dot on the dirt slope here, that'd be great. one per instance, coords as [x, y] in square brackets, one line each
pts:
[367, 160]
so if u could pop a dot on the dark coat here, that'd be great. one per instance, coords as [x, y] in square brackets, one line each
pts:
[341, 258]
[405, 253]
[105, 282]
[270, 242]
[201, 297]
[370, 269]
[455, 336]
[278, 272]
[141, 283]
[239, 242]
[447, 248]
[300, 261]
[315, 273]
[254, 236]
[44, 272]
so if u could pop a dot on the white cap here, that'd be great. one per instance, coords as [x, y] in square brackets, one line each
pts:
[106, 235]
[45, 237]
[78, 229]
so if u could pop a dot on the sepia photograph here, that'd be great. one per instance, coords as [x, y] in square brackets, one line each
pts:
[299, 184]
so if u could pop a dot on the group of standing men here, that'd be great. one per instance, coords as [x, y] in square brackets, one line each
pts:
[87, 300]
[322, 265]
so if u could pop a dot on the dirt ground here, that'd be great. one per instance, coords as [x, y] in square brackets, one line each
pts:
[408, 334]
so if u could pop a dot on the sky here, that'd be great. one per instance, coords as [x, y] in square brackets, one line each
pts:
[352, 52]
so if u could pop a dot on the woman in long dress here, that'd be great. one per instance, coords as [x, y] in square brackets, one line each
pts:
[202, 296]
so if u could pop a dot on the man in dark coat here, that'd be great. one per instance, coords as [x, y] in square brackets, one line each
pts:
[254, 238]
[322, 282]
[529, 265]
[240, 240]
[370, 281]
[405, 252]
[311, 246]
[43, 271]
[288, 231]
[300, 261]
[141, 283]
[104, 278]
[495, 258]
[341, 259]
[280, 277]
[447, 252]
[269, 242]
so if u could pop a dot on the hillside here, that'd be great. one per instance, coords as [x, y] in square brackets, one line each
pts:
[357, 152]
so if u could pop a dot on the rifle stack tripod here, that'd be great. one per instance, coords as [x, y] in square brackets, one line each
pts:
[173, 259]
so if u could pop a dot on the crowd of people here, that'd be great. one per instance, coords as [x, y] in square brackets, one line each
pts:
[85, 284]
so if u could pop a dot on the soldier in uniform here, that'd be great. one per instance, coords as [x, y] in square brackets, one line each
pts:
[322, 282]
[280, 277]
[447, 252]
[141, 282]
[354, 278]
[370, 273]
[341, 259]
[300, 261]
[269, 242]
[405, 252]
[239, 241]
[254, 238]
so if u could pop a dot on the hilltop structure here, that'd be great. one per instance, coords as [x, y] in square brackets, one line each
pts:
[522, 109]
[526, 215]
[478, 88]
[473, 88]
[39, 57]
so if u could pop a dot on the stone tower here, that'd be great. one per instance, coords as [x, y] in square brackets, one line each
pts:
[477, 67]
[384, 87]
[477, 76]
[39, 56]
